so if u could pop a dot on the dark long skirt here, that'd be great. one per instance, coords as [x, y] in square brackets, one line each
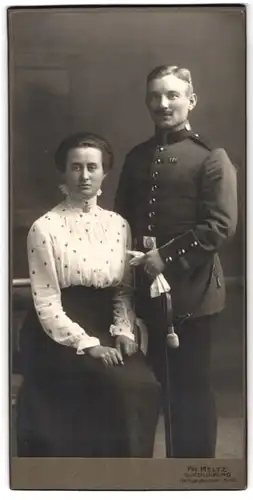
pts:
[71, 405]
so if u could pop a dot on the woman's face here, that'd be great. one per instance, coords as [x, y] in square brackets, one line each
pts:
[84, 172]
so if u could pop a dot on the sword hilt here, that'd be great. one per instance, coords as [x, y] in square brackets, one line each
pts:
[172, 338]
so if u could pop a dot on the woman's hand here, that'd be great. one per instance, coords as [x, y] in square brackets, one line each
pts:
[108, 355]
[126, 345]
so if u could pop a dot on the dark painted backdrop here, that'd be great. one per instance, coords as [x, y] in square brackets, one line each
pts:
[72, 69]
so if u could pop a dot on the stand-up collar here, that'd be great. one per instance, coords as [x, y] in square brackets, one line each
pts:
[163, 136]
[88, 206]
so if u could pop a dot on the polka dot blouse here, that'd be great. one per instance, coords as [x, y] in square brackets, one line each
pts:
[79, 245]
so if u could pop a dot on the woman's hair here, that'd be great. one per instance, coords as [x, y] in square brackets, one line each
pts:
[182, 73]
[84, 139]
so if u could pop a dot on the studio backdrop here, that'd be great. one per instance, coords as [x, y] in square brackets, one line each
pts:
[85, 69]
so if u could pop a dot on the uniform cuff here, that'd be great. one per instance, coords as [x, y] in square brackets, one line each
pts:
[178, 248]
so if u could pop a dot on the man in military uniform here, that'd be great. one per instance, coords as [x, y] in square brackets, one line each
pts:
[183, 194]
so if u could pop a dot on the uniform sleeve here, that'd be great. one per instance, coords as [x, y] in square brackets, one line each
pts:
[123, 311]
[122, 203]
[47, 294]
[217, 214]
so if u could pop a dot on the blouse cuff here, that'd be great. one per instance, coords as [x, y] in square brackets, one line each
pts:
[85, 343]
[118, 330]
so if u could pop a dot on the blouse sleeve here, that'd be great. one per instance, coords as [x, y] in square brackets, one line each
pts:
[47, 294]
[123, 311]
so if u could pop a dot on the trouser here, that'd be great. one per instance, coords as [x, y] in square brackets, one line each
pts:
[190, 396]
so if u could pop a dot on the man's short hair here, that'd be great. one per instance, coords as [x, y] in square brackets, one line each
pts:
[182, 73]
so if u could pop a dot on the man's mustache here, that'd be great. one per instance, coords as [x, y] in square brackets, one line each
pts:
[163, 113]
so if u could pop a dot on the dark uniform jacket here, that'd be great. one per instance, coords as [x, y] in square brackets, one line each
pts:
[176, 188]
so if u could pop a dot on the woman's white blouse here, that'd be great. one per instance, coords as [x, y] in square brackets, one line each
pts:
[73, 245]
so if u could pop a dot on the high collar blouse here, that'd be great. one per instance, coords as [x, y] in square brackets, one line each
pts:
[79, 244]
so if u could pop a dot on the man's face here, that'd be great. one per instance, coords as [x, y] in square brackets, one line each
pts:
[169, 101]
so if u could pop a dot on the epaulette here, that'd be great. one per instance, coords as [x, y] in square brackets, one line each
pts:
[200, 140]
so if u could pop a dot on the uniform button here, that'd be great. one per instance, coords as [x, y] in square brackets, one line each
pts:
[168, 259]
[160, 148]
[154, 174]
[150, 227]
[151, 214]
[158, 160]
[153, 200]
[154, 187]
[183, 251]
[194, 244]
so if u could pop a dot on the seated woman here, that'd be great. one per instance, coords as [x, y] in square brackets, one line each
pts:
[87, 390]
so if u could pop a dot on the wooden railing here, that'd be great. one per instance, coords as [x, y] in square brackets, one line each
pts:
[18, 282]
[229, 280]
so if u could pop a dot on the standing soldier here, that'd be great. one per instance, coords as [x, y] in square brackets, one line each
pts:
[183, 194]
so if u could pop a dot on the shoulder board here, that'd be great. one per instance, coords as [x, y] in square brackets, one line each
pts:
[200, 140]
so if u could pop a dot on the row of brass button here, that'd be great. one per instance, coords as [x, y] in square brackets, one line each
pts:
[154, 187]
[182, 251]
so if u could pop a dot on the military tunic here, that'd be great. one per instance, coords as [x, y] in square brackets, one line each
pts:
[179, 190]
[176, 188]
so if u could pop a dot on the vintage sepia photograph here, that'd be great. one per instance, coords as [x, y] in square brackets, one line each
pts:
[127, 168]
